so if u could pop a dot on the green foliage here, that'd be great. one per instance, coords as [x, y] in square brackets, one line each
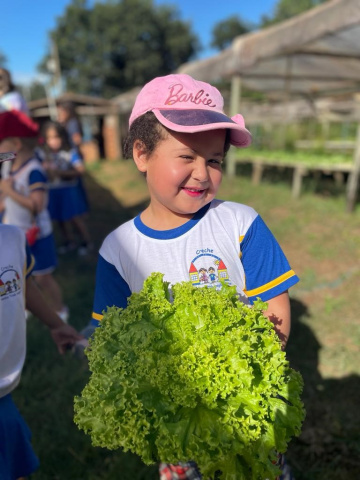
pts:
[285, 9]
[225, 31]
[114, 46]
[310, 158]
[202, 377]
[2, 60]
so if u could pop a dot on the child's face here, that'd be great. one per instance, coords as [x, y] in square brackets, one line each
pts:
[62, 115]
[53, 139]
[184, 172]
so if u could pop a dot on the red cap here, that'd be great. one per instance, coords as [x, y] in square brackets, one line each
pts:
[14, 123]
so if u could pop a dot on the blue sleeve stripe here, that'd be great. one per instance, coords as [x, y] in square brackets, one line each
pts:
[267, 271]
[94, 322]
[110, 289]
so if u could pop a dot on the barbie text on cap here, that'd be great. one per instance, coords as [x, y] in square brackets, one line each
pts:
[14, 123]
[183, 104]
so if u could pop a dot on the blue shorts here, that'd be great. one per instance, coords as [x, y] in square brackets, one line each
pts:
[17, 457]
[45, 255]
[66, 203]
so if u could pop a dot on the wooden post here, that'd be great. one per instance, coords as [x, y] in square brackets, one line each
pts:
[353, 181]
[112, 140]
[287, 95]
[235, 96]
[299, 173]
[257, 172]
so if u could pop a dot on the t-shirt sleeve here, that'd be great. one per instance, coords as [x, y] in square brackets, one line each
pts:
[37, 180]
[267, 271]
[110, 289]
[75, 159]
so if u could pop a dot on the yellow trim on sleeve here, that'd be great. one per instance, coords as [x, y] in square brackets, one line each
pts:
[97, 316]
[241, 238]
[31, 266]
[37, 185]
[270, 285]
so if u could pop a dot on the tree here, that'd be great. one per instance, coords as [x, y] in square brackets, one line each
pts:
[225, 31]
[288, 8]
[3, 60]
[116, 45]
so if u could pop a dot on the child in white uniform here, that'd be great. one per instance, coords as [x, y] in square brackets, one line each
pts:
[17, 291]
[64, 167]
[26, 198]
[178, 138]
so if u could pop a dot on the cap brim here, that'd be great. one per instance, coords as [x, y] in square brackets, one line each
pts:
[198, 120]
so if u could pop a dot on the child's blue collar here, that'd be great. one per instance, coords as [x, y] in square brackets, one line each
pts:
[174, 232]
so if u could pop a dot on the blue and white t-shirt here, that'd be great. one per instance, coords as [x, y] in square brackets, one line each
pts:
[65, 160]
[16, 264]
[224, 241]
[28, 178]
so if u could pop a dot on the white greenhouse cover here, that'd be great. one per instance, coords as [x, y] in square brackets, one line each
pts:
[315, 52]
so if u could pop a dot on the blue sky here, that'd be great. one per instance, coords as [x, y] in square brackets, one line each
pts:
[24, 37]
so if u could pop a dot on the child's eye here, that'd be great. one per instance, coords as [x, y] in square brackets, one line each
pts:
[215, 161]
[187, 157]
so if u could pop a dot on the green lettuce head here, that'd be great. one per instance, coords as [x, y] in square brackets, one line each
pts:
[201, 377]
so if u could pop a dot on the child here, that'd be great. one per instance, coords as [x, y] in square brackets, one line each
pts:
[17, 291]
[68, 118]
[26, 201]
[178, 138]
[65, 167]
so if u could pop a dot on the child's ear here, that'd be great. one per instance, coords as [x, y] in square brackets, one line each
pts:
[140, 155]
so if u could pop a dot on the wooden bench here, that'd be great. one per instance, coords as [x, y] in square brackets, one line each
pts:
[300, 170]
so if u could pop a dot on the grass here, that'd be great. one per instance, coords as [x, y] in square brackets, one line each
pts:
[322, 243]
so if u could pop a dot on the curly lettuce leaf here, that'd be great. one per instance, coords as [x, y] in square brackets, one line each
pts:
[201, 377]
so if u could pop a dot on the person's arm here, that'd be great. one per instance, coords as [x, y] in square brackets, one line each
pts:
[35, 202]
[63, 335]
[278, 312]
[67, 174]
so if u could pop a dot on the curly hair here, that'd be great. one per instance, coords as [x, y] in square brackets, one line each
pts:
[150, 132]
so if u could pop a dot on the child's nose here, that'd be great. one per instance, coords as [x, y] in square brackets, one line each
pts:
[200, 171]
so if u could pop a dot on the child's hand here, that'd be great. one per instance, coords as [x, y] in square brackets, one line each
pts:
[65, 337]
[6, 185]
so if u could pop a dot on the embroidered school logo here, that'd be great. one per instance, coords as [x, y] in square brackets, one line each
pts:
[10, 283]
[207, 269]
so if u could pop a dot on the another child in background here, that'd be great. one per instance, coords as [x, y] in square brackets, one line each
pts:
[65, 167]
[17, 292]
[68, 118]
[26, 201]
[10, 97]
[178, 138]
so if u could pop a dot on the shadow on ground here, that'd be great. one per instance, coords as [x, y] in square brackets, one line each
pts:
[330, 439]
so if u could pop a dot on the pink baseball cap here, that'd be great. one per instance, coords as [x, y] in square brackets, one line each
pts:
[184, 104]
